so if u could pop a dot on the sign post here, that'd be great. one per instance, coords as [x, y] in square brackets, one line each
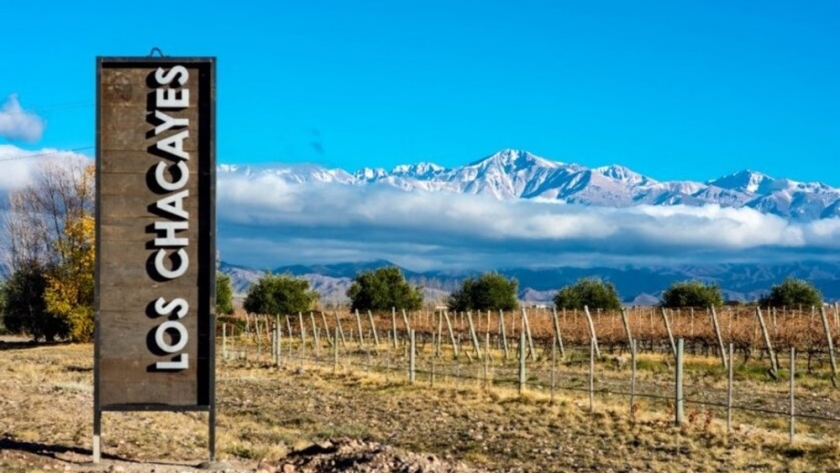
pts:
[155, 238]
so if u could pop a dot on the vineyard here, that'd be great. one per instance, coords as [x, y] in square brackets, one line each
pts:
[761, 348]
[752, 331]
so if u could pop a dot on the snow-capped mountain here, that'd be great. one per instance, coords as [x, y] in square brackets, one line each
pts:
[292, 173]
[515, 174]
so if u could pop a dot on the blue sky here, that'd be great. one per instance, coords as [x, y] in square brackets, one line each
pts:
[675, 90]
[689, 90]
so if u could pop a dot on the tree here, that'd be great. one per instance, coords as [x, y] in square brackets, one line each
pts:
[49, 252]
[383, 289]
[692, 294]
[60, 190]
[791, 293]
[70, 282]
[491, 291]
[279, 294]
[224, 295]
[590, 292]
[24, 309]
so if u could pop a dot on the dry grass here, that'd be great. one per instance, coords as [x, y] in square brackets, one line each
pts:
[705, 377]
[45, 421]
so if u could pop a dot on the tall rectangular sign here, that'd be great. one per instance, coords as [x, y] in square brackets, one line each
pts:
[155, 235]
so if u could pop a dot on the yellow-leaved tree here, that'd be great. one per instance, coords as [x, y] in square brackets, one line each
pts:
[70, 283]
[70, 280]
[49, 252]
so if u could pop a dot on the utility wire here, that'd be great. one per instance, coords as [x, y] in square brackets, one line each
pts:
[56, 107]
[51, 153]
[61, 106]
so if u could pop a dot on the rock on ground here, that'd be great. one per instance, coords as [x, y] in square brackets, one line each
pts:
[355, 456]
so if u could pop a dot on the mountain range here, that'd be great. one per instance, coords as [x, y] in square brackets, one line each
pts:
[516, 174]
[637, 285]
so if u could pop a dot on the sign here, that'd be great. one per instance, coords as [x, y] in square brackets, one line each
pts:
[155, 234]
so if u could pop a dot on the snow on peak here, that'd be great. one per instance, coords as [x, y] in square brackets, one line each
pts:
[235, 169]
[421, 169]
[623, 174]
[745, 181]
[370, 174]
[512, 159]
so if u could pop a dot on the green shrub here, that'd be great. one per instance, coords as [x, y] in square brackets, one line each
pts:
[791, 293]
[24, 309]
[279, 294]
[224, 295]
[692, 294]
[590, 292]
[491, 291]
[383, 289]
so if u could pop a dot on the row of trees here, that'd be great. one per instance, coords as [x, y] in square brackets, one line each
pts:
[386, 288]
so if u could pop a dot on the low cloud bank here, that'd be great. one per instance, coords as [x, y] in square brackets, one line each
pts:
[264, 222]
[263, 219]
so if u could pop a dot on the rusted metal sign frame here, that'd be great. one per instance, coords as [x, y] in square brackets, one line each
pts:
[206, 224]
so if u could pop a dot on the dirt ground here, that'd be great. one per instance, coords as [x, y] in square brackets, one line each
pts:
[290, 420]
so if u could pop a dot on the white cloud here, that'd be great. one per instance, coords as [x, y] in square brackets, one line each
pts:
[320, 223]
[18, 124]
[264, 222]
[20, 166]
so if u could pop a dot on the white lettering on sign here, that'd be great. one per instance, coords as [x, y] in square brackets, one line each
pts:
[171, 175]
[167, 185]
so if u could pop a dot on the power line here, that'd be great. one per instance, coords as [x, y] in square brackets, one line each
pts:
[50, 153]
[62, 106]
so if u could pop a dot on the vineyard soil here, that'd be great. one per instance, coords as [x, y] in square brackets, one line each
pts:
[266, 413]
